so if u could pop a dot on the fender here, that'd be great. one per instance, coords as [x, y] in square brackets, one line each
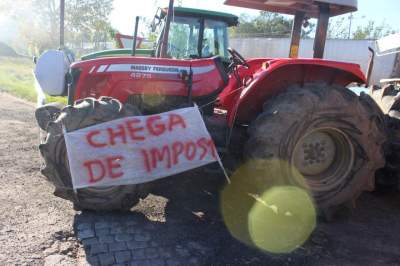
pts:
[276, 75]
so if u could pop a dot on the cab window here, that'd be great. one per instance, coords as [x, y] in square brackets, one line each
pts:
[184, 38]
[214, 39]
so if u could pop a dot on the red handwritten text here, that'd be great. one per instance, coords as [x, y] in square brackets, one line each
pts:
[134, 130]
[170, 154]
[99, 169]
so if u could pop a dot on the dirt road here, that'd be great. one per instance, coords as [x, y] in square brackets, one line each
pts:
[179, 224]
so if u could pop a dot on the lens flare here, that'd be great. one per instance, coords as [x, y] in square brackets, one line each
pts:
[267, 205]
[281, 219]
[153, 100]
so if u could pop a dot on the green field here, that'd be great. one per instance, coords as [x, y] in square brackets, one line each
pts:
[16, 77]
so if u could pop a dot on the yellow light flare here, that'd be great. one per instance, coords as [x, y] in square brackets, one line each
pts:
[262, 207]
[281, 219]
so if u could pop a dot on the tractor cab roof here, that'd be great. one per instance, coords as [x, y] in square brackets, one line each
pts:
[230, 19]
[310, 7]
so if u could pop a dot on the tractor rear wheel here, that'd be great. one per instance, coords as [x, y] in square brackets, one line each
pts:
[321, 137]
[84, 113]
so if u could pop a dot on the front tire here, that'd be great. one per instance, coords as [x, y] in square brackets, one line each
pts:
[320, 137]
[85, 113]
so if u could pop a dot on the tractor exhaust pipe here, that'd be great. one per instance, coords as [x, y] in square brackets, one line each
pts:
[62, 15]
[135, 36]
[164, 43]
[370, 66]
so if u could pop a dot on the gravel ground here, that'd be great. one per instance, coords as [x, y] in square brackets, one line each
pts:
[178, 224]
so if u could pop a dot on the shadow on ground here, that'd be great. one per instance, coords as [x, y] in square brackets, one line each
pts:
[180, 224]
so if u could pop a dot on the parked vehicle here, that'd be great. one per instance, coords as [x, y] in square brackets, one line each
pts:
[388, 98]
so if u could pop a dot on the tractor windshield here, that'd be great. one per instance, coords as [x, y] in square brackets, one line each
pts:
[184, 37]
[197, 38]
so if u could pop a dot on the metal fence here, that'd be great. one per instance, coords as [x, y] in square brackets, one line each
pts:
[353, 51]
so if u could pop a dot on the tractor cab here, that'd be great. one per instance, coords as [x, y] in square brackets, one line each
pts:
[194, 33]
[191, 34]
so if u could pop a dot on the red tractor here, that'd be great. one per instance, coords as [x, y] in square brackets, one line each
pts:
[288, 116]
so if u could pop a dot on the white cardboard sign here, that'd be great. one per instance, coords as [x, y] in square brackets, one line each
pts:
[139, 149]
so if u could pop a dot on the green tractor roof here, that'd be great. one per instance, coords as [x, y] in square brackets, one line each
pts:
[230, 19]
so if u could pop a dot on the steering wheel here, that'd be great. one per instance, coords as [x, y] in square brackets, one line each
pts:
[238, 58]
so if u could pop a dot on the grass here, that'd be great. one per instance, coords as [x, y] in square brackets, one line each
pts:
[16, 78]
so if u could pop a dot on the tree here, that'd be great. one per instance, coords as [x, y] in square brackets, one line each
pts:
[372, 31]
[266, 24]
[85, 22]
[341, 28]
[88, 21]
[338, 28]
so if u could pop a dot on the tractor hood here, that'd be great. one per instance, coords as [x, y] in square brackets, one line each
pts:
[310, 7]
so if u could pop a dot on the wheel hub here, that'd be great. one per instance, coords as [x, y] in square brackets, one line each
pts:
[315, 153]
[324, 157]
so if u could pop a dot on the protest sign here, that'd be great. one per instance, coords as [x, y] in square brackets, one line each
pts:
[139, 149]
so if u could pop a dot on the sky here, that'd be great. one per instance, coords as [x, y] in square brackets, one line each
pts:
[122, 17]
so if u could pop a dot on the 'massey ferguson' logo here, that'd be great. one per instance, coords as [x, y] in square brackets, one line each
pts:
[154, 69]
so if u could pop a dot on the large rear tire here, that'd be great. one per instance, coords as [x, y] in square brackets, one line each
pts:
[321, 137]
[85, 113]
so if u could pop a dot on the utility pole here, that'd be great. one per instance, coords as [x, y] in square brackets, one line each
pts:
[351, 17]
[62, 11]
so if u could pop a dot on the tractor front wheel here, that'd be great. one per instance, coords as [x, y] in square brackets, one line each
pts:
[84, 113]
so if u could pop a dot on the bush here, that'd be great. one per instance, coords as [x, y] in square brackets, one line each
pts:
[16, 77]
